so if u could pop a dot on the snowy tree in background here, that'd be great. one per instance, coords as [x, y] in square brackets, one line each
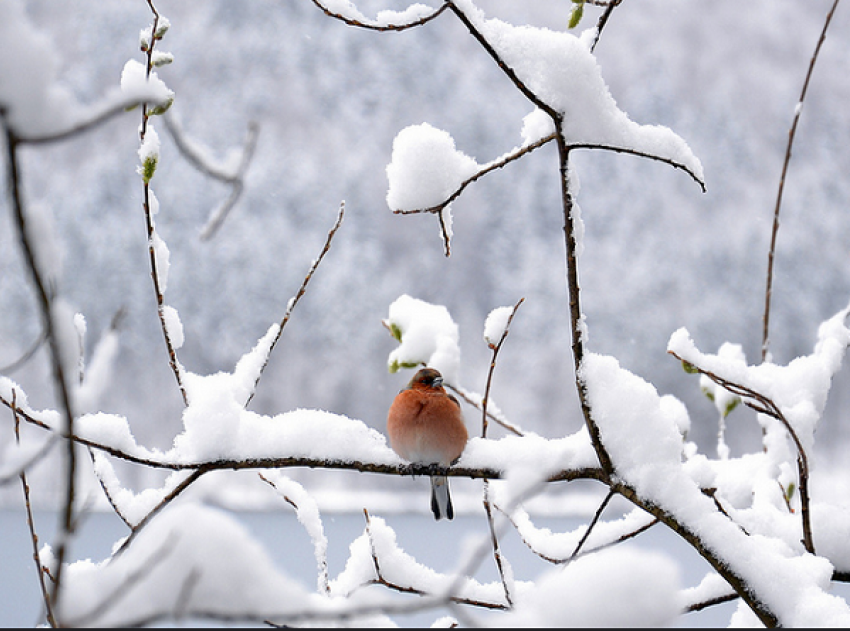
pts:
[773, 541]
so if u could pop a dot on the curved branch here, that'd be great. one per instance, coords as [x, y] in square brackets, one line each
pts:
[640, 154]
[510, 157]
[95, 120]
[378, 27]
[765, 405]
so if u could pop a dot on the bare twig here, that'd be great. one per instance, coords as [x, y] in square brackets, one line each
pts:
[496, 418]
[497, 553]
[45, 594]
[590, 526]
[495, 348]
[494, 540]
[719, 600]
[39, 568]
[79, 128]
[301, 291]
[32, 460]
[603, 20]
[775, 230]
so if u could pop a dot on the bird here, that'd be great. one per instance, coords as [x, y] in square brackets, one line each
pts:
[425, 426]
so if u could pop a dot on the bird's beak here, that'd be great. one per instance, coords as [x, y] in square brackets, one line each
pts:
[438, 382]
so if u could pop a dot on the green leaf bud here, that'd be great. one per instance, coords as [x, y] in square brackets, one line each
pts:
[162, 108]
[148, 168]
[576, 15]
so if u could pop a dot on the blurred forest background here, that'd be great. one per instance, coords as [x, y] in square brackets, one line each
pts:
[659, 253]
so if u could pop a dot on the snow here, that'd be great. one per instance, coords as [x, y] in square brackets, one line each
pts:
[428, 336]
[646, 446]
[307, 511]
[536, 126]
[559, 68]
[640, 592]
[36, 103]
[173, 325]
[163, 570]
[496, 324]
[176, 560]
[137, 85]
[799, 389]
[98, 372]
[426, 168]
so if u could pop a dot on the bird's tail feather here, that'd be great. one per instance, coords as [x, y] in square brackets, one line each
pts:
[441, 500]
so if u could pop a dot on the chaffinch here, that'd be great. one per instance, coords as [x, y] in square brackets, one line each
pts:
[425, 426]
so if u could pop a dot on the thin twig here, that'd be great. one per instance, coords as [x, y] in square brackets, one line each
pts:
[39, 568]
[45, 594]
[495, 348]
[301, 291]
[592, 523]
[497, 553]
[149, 224]
[711, 602]
[603, 20]
[510, 157]
[513, 429]
[494, 539]
[79, 128]
[775, 230]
